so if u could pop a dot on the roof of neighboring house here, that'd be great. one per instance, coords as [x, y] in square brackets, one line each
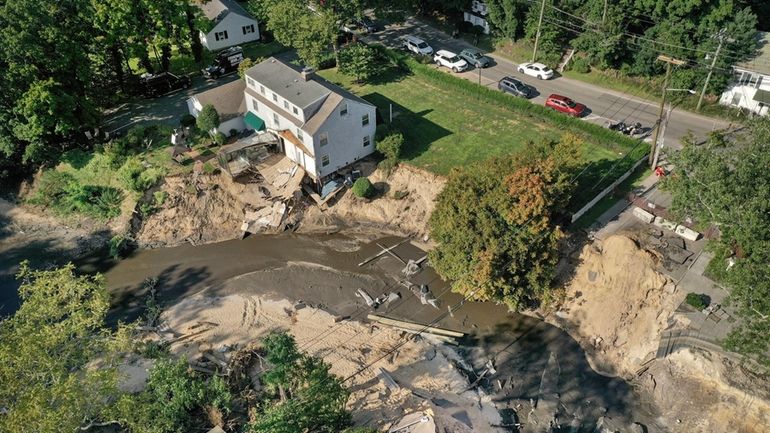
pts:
[228, 99]
[217, 10]
[286, 80]
[761, 62]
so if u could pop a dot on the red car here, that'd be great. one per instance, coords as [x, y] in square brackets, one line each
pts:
[565, 105]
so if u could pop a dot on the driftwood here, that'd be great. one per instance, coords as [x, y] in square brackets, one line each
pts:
[384, 251]
[415, 327]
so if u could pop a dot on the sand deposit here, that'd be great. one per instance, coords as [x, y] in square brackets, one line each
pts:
[420, 367]
[405, 216]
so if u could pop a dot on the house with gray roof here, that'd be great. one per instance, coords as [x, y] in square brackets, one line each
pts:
[749, 88]
[228, 100]
[320, 126]
[229, 24]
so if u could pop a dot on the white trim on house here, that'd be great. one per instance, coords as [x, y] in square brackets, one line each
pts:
[232, 25]
[749, 87]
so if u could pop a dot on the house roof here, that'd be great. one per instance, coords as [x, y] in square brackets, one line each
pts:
[327, 108]
[761, 62]
[228, 99]
[217, 10]
[269, 104]
[286, 80]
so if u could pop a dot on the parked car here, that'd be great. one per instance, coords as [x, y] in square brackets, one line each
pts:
[475, 58]
[367, 25]
[537, 70]
[226, 62]
[565, 105]
[450, 60]
[417, 46]
[159, 84]
[514, 87]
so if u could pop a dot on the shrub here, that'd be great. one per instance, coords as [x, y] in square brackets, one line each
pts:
[188, 120]
[118, 245]
[581, 65]
[94, 200]
[245, 65]
[52, 188]
[209, 168]
[208, 119]
[137, 178]
[160, 197]
[219, 138]
[390, 146]
[233, 133]
[363, 188]
[696, 301]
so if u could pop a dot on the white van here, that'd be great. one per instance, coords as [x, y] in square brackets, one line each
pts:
[417, 46]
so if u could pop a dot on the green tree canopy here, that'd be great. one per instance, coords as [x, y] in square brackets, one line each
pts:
[494, 224]
[727, 183]
[208, 119]
[358, 61]
[45, 351]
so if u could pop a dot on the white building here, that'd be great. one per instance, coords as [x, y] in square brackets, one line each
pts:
[478, 15]
[322, 127]
[230, 24]
[229, 102]
[750, 86]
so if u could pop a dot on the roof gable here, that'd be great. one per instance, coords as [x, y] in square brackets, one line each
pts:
[217, 10]
[228, 99]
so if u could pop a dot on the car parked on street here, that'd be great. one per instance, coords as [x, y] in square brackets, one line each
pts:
[514, 87]
[225, 62]
[417, 46]
[155, 85]
[450, 60]
[537, 70]
[565, 105]
[475, 58]
[367, 25]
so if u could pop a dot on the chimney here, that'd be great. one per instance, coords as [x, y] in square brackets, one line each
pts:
[307, 73]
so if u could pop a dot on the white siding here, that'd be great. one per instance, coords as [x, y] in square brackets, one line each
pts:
[194, 107]
[345, 137]
[233, 24]
[476, 21]
[741, 92]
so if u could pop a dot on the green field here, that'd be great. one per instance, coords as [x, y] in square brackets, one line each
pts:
[445, 130]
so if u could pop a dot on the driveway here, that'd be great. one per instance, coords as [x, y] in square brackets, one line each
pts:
[605, 105]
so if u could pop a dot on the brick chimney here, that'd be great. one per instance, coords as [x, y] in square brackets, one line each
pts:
[307, 73]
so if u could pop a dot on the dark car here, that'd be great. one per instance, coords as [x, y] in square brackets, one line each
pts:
[475, 57]
[565, 105]
[514, 87]
[367, 25]
[159, 84]
[226, 62]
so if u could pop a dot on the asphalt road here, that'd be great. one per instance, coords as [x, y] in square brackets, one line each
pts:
[604, 105]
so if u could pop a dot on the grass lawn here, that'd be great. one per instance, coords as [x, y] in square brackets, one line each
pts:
[634, 181]
[446, 130]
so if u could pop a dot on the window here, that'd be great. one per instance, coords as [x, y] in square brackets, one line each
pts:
[275, 120]
[261, 89]
[323, 139]
[250, 82]
[248, 29]
[759, 82]
[365, 119]
[254, 105]
[275, 97]
[286, 105]
[325, 160]
[366, 140]
[295, 110]
[220, 36]
[344, 110]
[299, 135]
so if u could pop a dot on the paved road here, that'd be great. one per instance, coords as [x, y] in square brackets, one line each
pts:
[604, 104]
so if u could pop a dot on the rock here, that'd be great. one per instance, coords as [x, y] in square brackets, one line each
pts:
[637, 428]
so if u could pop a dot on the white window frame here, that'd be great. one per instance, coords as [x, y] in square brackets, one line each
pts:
[275, 97]
[255, 105]
[323, 139]
[344, 110]
[276, 120]
[300, 136]
[251, 82]
[248, 29]
[367, 141]
[365, 120]
[286, 105]
[261, 89]
[325, 161]
[295, 110]
[223, 36]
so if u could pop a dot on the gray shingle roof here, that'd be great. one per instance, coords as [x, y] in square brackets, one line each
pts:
[761, 62]
[228, 99]
[217, 10]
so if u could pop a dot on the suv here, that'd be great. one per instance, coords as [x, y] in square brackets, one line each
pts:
[160, 84]
[565, 105]
[514, 87]
[475, 58]
[225, 62]
[450, 60]
[417, 46]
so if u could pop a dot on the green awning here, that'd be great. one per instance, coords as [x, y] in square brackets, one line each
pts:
[254, 122]
[762, 96]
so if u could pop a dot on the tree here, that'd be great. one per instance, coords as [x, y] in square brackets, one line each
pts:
[727, 183]
[390, 147]
[362, 188]
[313, 400]
[45, 351]
[358, 61]
[208, 119]
[504, 16]
[245, 65]
[494, 224]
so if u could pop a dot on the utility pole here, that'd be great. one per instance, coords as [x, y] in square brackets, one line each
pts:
[537, 35]
[669, 61]
[722, 37]
[604, 14]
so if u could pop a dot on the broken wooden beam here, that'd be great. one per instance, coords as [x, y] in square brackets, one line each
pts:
[384, 251]
[411, 326]
[393, 254]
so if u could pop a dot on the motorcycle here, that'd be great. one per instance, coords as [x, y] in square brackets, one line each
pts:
[634, 130]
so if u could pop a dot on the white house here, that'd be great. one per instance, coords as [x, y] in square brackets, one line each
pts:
[321, 126]
[478, 15]
[229, 102]
[230, 24]
[750, 86]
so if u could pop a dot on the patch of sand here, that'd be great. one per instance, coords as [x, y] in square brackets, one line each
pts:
[419, 366]
[617, 305]
[406, 216]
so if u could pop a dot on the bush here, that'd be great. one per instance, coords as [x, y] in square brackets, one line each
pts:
[208, 119]
[219, 138]
[696, 301]
[245, 65]
[97, 201]
[233, 133]
[209, 168]
[137, 178]
[363, 188]
[187, 121]
[160, 197]
[390, 146]
[581, 65]
[52, 188]
[118, 245]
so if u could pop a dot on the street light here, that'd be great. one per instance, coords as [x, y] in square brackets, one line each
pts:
[661, 130]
